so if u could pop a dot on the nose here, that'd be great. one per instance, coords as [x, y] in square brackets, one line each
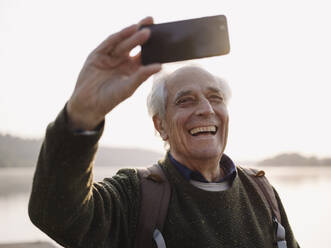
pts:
[204, 108]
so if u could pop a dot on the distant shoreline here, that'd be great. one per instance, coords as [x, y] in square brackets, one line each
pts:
[18, 181]
[18, 152]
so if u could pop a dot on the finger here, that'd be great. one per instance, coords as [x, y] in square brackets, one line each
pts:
[112, 40]
[144, 72]
[105, 62]
[127, 45]
[146, 21]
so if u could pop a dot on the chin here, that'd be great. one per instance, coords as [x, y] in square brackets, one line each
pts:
[208, 153]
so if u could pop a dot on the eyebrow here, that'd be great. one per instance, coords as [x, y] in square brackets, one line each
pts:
[189, 92]
[216, 90]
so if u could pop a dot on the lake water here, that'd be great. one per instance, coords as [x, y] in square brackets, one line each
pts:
[305, 193]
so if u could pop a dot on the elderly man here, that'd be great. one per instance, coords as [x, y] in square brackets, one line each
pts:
[212, 203]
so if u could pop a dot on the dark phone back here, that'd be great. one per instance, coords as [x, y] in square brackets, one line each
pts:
[188, 39]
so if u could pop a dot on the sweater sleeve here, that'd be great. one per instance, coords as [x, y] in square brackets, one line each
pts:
[290, 239]
[68, 206]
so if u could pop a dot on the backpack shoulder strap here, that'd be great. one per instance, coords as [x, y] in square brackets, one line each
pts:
[266, 191]
[154, 200]
[264, 188]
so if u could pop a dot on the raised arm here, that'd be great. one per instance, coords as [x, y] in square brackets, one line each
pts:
[64, 202]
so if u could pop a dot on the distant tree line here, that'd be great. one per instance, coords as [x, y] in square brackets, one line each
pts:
[18, 152]
[295, 159]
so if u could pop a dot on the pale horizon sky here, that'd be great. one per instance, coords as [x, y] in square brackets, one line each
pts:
[278, 69]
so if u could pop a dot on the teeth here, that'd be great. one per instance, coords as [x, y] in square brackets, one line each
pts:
[203, 129]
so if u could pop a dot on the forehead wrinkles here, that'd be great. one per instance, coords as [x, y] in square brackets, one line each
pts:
[185, 78]
[209, 89]
[179, 82]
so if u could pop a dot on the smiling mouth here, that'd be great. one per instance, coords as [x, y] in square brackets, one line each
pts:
[203, 130]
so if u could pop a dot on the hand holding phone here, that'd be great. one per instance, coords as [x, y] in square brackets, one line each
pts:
[187, 39]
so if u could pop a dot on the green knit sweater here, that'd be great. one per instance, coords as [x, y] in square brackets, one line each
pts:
[74, 211]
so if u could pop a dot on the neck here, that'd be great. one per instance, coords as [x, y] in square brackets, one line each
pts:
[208, 167]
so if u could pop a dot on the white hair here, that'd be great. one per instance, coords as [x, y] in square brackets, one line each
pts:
[157, 98]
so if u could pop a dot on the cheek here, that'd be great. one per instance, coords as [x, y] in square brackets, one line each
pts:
[225, 131]
[223, 115]
[224, 118]
[225, 124]
[176, 131]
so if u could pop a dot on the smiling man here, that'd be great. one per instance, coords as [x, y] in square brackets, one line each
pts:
[196, 120]
[212, 202]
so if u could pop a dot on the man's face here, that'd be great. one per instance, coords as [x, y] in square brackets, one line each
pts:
[196, 119]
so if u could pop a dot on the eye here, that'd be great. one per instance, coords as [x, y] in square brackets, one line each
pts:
[185, 100]
[216, 97]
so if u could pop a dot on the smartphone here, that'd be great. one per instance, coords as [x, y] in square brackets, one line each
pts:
[187, 39]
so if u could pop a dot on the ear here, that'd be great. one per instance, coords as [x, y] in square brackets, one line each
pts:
[160, 127]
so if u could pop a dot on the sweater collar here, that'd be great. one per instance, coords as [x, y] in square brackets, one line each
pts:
[226, 164]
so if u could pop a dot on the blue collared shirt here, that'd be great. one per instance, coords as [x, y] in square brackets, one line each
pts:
[226, 163]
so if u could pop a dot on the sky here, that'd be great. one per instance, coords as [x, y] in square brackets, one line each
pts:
[278, 69]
